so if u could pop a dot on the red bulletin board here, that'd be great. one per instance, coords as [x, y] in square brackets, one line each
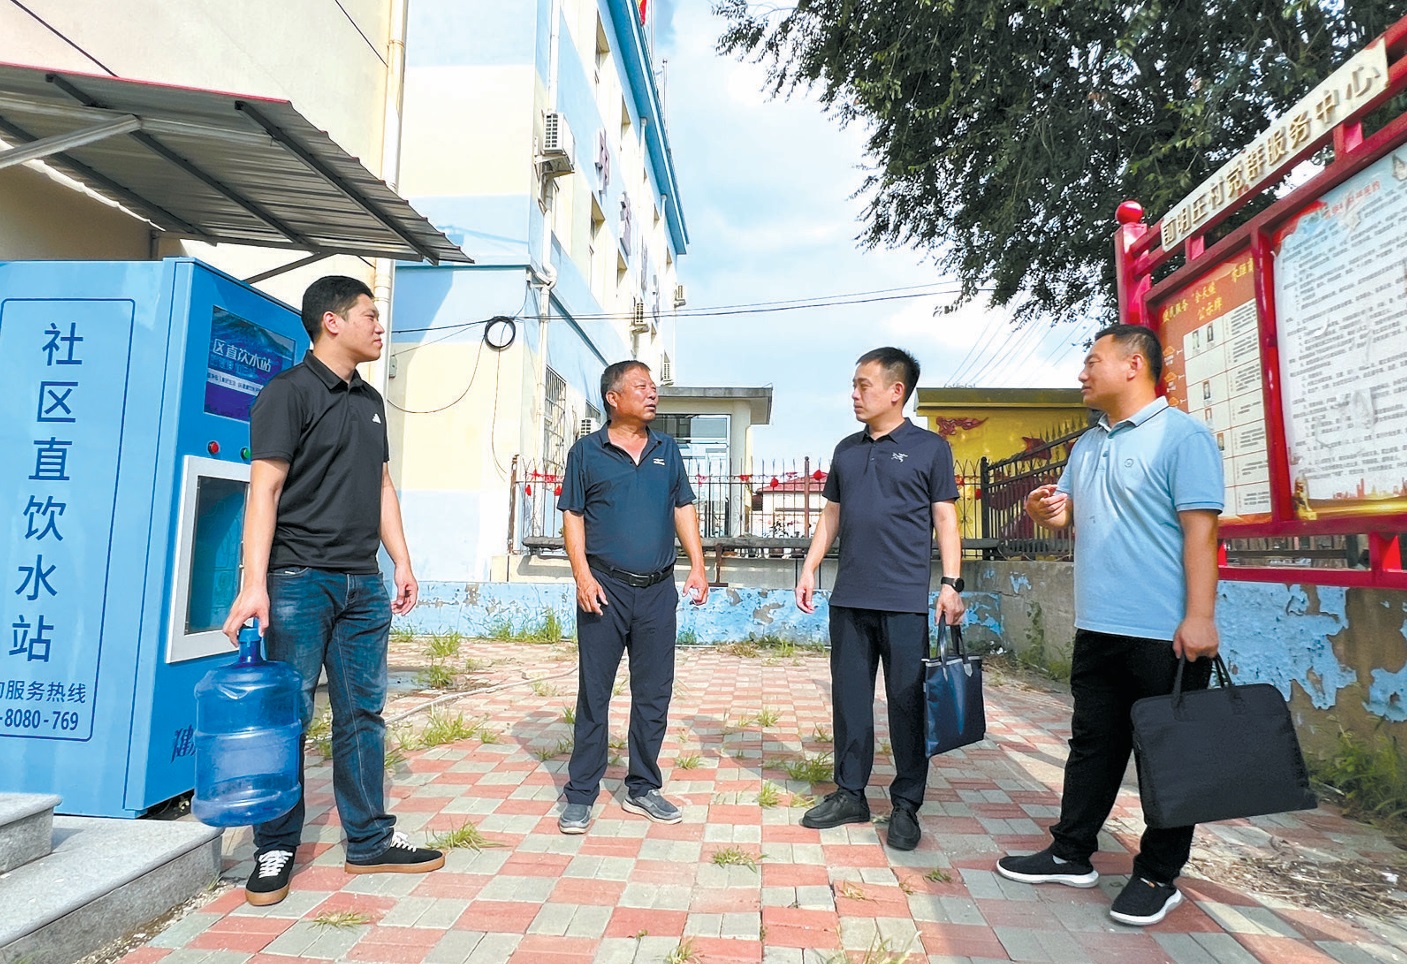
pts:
[1287, 336]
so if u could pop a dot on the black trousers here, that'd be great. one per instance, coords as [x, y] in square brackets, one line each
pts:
[862, 640]
[1107, 674]
[642, 622]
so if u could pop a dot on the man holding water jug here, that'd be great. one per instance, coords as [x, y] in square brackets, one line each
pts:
[320, 505]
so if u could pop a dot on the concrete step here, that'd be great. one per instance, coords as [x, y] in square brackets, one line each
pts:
[103, 879]
[26, 827]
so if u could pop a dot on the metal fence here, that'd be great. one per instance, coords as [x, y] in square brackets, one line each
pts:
[774, 499]
[1004, 487]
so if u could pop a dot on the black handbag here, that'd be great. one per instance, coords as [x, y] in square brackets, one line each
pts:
[1217, 754]
[953, 692]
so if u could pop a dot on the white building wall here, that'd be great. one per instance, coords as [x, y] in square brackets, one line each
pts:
[328, 59]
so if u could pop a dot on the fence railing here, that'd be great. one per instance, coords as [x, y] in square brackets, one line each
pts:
[769, 506]
[1004, 487]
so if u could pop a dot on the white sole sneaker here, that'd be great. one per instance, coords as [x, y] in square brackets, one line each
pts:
[1082, 881]
[1171, 902]
[631, 807]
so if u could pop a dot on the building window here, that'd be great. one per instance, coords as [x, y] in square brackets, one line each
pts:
[554, 423]
[701, 438]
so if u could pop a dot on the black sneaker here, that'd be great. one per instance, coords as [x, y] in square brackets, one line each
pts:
[1044, 868]
[399, 857]
[903, 829]
[1143, 902]
[268, 883]
[836, 809]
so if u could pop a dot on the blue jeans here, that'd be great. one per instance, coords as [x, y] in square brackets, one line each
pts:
[342, 622]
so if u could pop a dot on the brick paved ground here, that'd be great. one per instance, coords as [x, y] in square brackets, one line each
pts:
[633, 891]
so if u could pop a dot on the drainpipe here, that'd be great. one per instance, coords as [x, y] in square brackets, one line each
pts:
[384, 269]
[546, 277]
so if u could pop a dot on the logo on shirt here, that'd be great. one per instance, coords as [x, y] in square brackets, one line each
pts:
[376, 418]
[899, 456]
[659, 461]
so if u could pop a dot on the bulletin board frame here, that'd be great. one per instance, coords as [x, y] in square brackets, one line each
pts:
[1283, 478]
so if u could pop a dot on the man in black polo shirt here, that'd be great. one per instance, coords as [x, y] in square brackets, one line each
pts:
[889, 488]
[320, 505]
[625, 496]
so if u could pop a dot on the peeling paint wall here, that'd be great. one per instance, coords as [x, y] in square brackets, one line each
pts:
[524, 609]
[1338, 655]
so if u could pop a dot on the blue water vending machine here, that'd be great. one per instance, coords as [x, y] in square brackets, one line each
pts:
[125, 434]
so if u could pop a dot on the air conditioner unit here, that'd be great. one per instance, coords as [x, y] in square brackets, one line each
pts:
[586, 427]
[556, 157]
[638, 324]
[666, 370]
[679, 300]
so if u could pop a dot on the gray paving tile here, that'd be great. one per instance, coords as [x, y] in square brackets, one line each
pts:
[1203, 948]
[1027, 944]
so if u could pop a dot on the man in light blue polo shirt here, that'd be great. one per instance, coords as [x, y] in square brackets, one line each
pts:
[1144, 489]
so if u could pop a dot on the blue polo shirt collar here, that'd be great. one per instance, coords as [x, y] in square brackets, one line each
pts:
[896, 435]
[603, 436]
[1137, 418]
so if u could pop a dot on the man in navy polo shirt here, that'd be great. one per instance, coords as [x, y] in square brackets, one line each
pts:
[1144, 489]
[320, 505]
[625, 496]
[889, 488]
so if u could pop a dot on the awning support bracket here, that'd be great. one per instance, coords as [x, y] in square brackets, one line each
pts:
[38, 150]
[161, 150]
[313, 258]
[156, 214]
[278, 134]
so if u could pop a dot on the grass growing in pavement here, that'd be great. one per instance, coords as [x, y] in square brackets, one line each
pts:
[938, 875]
[319, 734]
[736, 856]
[684, 953]
[543, 688]
[464, 837]
[880, 951]
[852, 891]
[341, 918]
[768, 717]
[444, 645]
[569, 715]
[689, 761]
[769, 795]
[810, 769]
[401, 635]
[442, 727]
[821, 735]
[802, 800]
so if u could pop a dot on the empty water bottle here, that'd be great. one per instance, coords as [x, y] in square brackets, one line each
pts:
[247, 736]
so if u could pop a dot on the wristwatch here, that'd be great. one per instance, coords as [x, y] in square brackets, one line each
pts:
[956, 582]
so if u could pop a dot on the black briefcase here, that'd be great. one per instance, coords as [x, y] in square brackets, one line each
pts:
[953, 692]
[1217, 754]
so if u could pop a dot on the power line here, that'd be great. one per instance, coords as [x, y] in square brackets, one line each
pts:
[65, 38]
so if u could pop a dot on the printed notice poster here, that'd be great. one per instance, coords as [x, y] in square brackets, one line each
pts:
[1341, 298]
[1212, 371]
[243, 357]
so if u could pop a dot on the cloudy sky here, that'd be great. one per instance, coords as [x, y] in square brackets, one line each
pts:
[767, 189]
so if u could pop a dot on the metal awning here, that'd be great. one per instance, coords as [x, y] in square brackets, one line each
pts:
[221, 168]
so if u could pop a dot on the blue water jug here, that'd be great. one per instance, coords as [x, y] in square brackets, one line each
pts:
[247, 735]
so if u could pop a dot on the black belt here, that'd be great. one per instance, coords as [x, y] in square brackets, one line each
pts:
[634, 579]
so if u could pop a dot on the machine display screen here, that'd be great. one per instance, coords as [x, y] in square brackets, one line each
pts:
[214, 569]
[243, 357]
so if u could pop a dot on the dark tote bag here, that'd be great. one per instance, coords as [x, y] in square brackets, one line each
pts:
[953, 691]
[1217, 754]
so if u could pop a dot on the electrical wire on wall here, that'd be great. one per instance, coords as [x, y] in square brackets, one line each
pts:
[499, 333]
